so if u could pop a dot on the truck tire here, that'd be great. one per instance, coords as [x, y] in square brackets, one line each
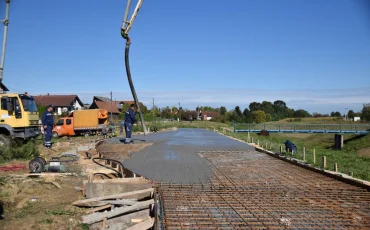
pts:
[87, 133]
[4, 141]
[55, 135]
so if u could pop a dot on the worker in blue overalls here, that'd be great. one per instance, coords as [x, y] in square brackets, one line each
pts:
[129, 121]
[48, 124]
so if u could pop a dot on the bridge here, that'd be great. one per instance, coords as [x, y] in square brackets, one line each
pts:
[361, 129]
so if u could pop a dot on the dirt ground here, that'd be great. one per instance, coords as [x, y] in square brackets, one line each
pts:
[364, 152]
[37, 203]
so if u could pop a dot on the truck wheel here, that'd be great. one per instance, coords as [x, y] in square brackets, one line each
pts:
[87, 134]
[4, 141]
[55, 135]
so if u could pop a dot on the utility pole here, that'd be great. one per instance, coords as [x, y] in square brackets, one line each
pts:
[6, 22]
[179, 111]
[111, 101]
[153, 109]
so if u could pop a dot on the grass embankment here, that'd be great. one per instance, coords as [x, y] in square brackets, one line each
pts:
[354, 157]
[162, 125]
[19, 151]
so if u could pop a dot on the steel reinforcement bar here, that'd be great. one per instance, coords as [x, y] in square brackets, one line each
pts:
[251, 190]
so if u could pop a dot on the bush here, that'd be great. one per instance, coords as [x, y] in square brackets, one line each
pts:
[19, 151]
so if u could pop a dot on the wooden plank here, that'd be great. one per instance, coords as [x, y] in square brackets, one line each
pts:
[121, 180]
[122, 222]
[121, 202]
[98, 208]
[50, 174]
[145, 224]
[115, 196]
[96, 217]
[105, 171]
[98, 190]
[56, 184]
[110, 202]
[136, 220]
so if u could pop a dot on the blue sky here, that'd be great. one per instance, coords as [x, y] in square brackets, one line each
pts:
[312, 54]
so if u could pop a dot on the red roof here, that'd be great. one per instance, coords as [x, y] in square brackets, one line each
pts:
[210, 114]
[56, 100]
[110, 107]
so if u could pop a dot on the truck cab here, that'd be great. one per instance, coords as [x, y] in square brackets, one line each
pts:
[64, 127]
[19, 118]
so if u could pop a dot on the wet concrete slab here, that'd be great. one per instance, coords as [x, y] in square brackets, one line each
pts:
[173, 156]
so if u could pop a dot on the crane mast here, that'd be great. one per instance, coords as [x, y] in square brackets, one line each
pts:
[5, 22]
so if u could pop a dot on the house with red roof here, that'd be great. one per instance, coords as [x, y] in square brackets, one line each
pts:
[61, 103]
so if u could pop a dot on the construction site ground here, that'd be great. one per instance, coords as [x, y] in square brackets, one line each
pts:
[204, 180]
[45, 202]
[207, 181]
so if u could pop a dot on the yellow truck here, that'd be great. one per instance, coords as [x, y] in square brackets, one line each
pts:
[19, 118]
[81, 122]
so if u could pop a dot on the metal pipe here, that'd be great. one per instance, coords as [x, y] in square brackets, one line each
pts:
[125, 22]
[6, 22]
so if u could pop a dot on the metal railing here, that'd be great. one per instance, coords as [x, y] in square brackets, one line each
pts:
[303, 128]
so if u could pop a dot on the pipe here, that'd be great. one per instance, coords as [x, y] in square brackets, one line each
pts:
[127, 63]
[6, 22]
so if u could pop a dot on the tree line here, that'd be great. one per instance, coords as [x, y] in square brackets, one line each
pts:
[256, 112]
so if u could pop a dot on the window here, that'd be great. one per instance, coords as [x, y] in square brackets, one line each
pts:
[60, 122]
[4, 104]
[28, 103]
[68, 121]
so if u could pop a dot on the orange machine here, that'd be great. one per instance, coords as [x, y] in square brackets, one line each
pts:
[81, 122]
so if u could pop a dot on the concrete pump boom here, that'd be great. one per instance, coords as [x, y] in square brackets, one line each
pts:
[6, 22]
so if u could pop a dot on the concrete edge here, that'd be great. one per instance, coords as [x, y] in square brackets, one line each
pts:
[335, 175]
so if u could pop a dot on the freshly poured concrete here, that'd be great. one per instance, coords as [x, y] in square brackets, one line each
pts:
[173, 156]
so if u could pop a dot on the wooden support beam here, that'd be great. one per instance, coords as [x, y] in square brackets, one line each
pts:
[324, 161]
[121, 180]
[98, 208]
[96, 217]
[145, 224]
[115, 196]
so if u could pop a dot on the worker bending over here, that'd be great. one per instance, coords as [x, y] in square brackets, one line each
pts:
[129, 121]
[47, 121]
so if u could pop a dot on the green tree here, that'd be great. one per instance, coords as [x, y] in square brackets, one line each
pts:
[280, 109]
[335, 114]
[268, 108]
[41, 109]
[223, 110]
[301, 113]
[247, 115]
[259, 116]
[254, 106]
[366, 112]
[351, 114]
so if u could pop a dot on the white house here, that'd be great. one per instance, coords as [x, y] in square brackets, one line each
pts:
[61, 103]
[357, 119]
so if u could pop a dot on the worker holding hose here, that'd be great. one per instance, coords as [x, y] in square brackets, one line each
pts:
[130, 119]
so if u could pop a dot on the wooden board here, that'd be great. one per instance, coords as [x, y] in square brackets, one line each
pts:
[121, 180]
[106, 189]
[121, 222]
[96, 217]
[142, 193]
